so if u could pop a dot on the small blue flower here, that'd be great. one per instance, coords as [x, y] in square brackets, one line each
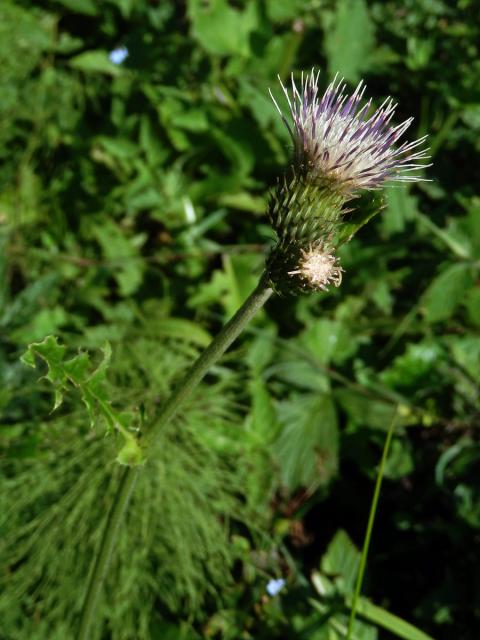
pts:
[118, 55]
[274, 586]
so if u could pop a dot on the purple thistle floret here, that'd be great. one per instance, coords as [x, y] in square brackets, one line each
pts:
[337, 138]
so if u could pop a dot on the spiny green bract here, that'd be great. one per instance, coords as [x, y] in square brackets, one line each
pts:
[309, 215]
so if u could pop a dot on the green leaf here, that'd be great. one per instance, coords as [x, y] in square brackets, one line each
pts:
[412, 368]
[92, 387]
[181, 329]
[307, 447]
[341, 560]
[121, 251]
[96, 61]
[400, 628]
[328, 341]
[401, 208]
[349, 39]
[222, 29]
[131, 453]
[446, 292]
[53, 354]
[285, 11]
[42, 323]
[262, 422]
[365, 208]
[374, 414]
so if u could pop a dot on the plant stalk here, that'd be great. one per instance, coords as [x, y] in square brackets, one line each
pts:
[195, 374]
[370, 523]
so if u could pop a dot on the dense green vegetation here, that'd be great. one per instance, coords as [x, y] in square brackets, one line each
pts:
[132, 210]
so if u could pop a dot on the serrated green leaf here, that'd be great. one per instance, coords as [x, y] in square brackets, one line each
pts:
[446, 292]
[350, 40]
[92, 387]
[52, 353]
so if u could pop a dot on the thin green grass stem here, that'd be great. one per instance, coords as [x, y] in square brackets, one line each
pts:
[370, 523]
[196, 373]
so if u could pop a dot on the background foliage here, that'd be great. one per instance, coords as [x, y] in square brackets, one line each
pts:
[132, 210]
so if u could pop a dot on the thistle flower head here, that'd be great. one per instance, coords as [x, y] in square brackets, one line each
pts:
[318, 268]
[338, 140]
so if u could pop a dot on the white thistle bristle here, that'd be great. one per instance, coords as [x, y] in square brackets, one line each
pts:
[335, 138]
[318, 268]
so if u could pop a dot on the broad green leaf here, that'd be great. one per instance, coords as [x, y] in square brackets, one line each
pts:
[222, 29]
[307, 447]
[328, 341]
[340, 561]
[401, 208]
[446, 292]
[300, 373]
[364, 410]
[41, 324]
[286, 11]
[349, 39]
[400, 462]
[119, 148]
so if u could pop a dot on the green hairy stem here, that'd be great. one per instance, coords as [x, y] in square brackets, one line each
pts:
[195, 374]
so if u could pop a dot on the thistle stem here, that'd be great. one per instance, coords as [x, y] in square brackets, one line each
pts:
[196, 373]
